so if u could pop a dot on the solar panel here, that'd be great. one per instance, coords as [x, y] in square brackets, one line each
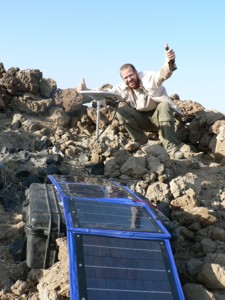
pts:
[111, 268]
[114, 216]
[89, 187]
[118, 248]
[101, 204]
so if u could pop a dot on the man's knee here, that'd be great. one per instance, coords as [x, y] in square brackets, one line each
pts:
[164, 107]
[165, 112]
[121, 115]
[124, 115]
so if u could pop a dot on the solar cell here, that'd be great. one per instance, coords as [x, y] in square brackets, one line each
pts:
[89, 187]
[120, 268]
[108, 215]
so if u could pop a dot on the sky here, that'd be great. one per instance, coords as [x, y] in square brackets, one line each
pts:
[68, 40]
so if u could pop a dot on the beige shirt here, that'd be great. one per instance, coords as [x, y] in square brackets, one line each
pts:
[150, 92]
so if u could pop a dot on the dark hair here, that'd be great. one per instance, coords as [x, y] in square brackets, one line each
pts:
[126, 66]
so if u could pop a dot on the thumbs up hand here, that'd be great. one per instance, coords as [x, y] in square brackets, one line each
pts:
[82, 86]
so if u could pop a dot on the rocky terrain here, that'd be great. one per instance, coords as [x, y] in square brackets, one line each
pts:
[45, 130]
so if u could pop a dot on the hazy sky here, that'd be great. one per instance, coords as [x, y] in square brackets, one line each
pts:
[70, 39]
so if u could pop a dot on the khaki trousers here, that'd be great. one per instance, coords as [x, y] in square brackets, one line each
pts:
[137, 122]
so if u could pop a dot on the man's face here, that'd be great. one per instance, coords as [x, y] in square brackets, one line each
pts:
[130, 77]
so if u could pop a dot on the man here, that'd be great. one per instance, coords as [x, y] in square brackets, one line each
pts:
[148, 106]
